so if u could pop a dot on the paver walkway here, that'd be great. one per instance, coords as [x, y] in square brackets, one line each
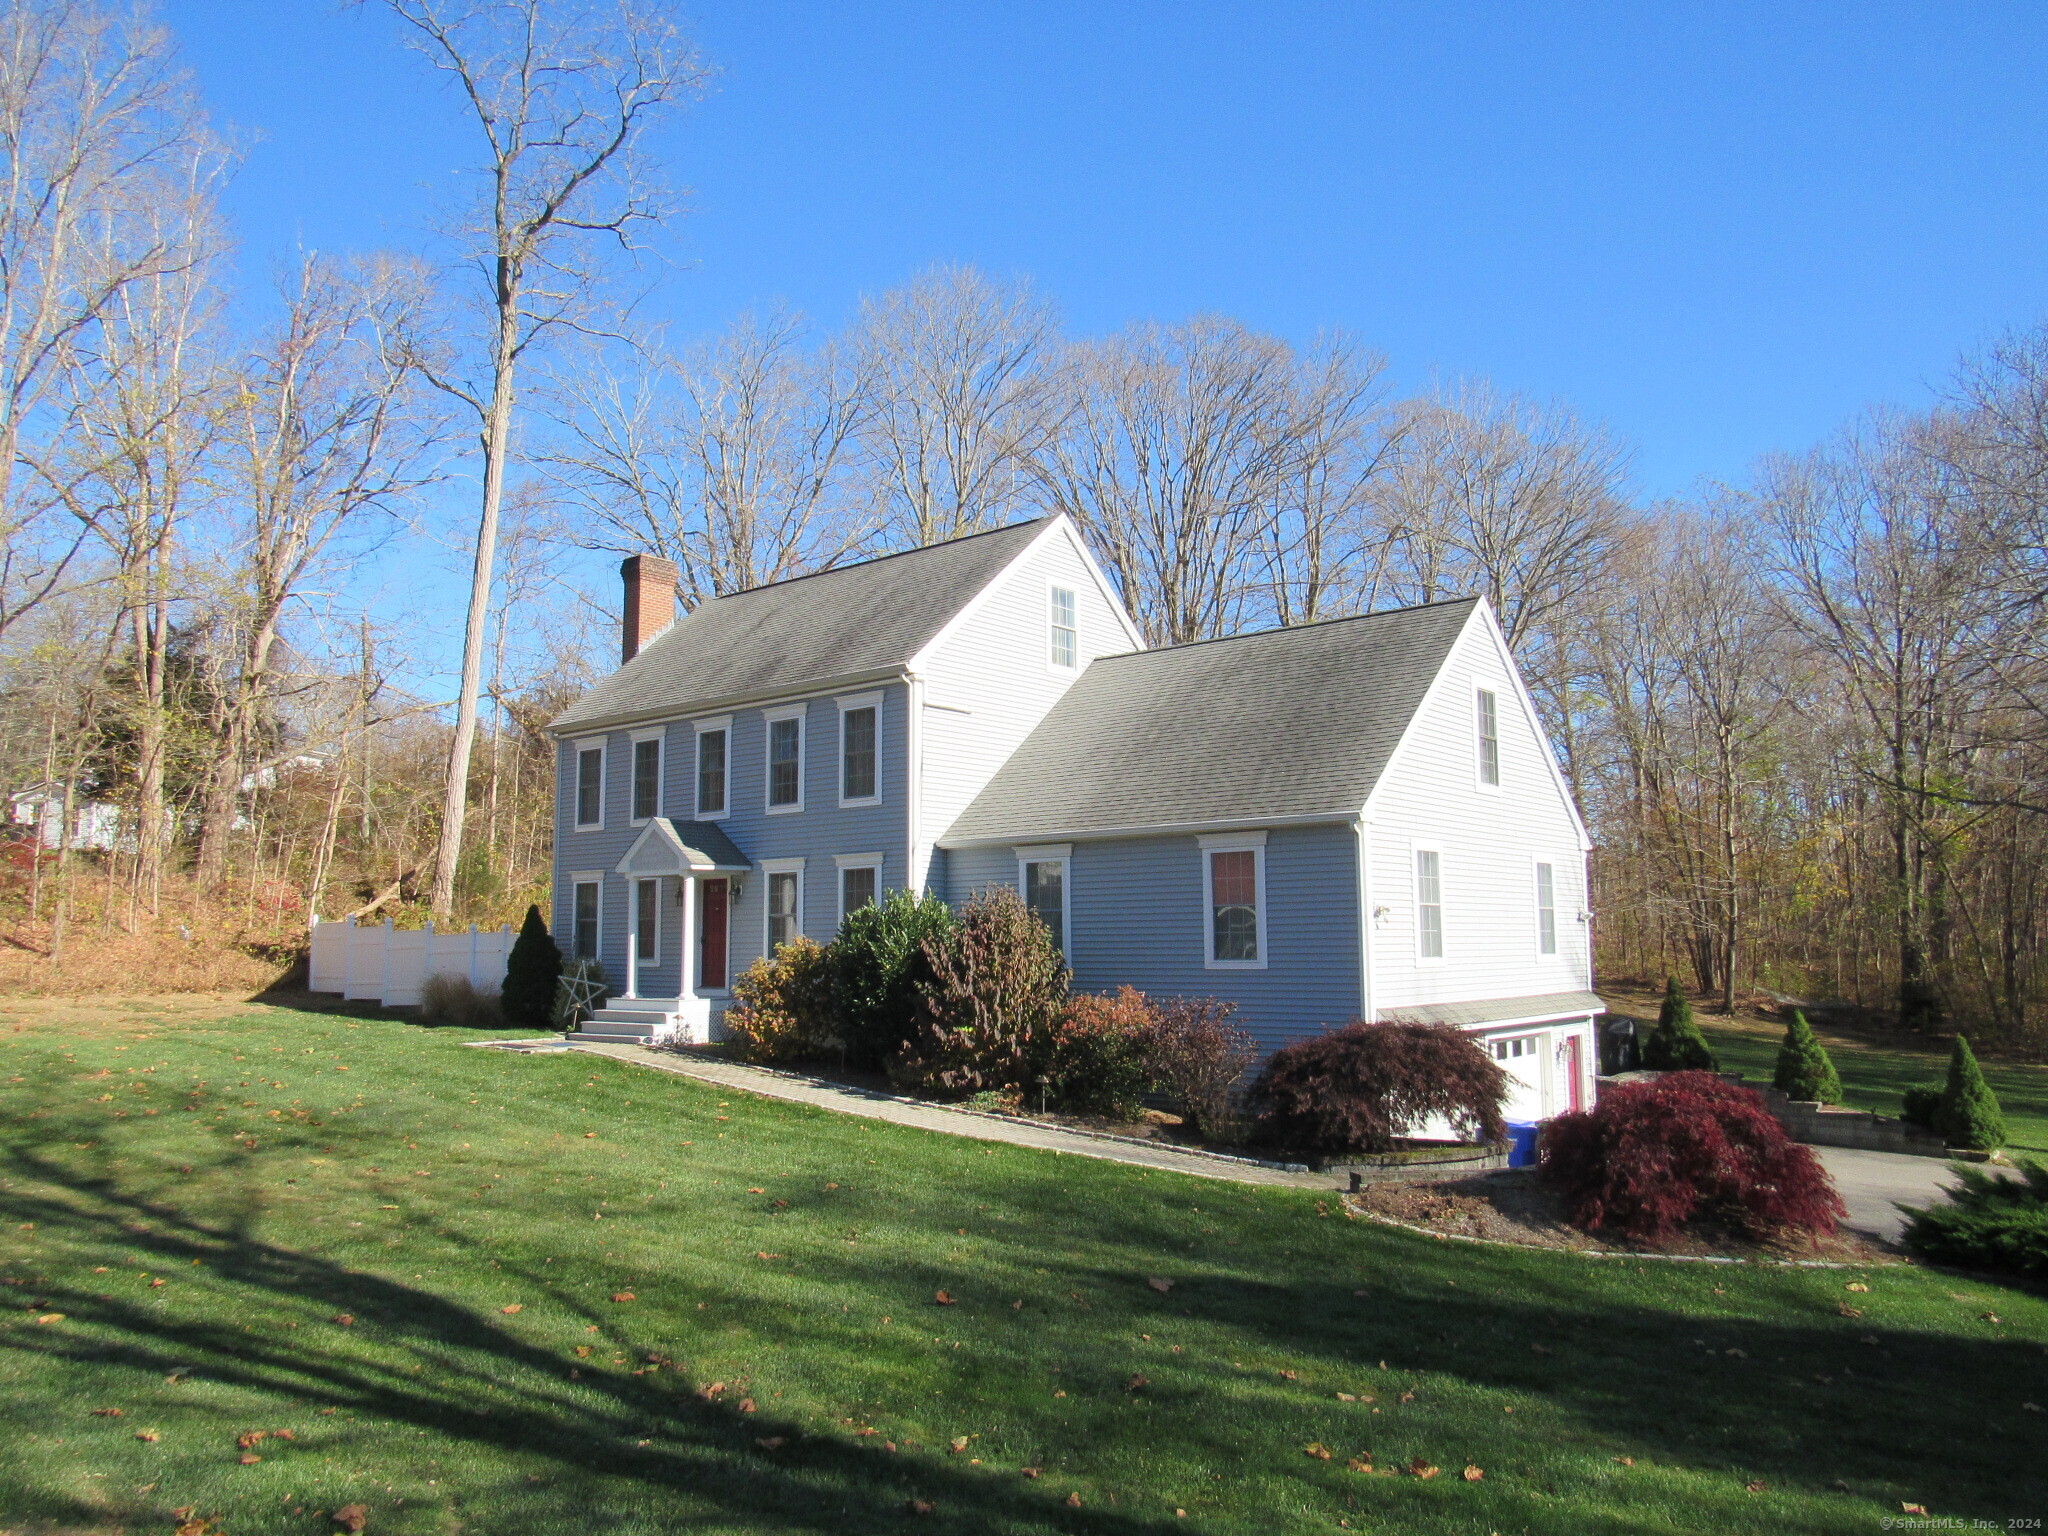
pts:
[953, 1122]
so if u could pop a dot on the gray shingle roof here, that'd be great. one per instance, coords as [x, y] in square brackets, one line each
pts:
[1287, 724]
[1498, 1010]
[843, 623]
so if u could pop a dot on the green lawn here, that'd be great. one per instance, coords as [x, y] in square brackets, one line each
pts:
[302, 1168]
[1873, 1077]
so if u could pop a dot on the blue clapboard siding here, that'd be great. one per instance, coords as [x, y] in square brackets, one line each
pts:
[1136, 911]
[816, 833]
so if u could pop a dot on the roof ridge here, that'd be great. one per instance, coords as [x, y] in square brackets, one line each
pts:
[1286, 629]
[894, 554]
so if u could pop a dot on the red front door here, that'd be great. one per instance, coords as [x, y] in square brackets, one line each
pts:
[711, 935]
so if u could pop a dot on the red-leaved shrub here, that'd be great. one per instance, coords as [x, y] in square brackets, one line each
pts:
[1355, 1089]
[1197, 1055]
[1651, 1156]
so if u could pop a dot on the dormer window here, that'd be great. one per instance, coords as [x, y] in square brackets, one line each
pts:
[1064, 629]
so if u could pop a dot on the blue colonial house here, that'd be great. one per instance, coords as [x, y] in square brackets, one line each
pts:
[1353, 819]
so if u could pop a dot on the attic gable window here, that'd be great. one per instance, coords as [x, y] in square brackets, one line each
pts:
[589, 784]
[1489, 740]
[1234, 890]
[1064, 632]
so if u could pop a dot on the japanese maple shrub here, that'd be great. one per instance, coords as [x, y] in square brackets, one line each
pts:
[1804, 1071]
[1676, 1044]
[1357, 1088]
[996, 982]
[1651, 1156]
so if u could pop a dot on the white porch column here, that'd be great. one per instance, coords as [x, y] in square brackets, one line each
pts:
[686, 946]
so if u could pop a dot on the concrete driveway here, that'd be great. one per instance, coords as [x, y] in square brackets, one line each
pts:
[1873, 1183]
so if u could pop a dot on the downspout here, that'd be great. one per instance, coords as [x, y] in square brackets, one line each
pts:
[1361, 831]
[913, 780]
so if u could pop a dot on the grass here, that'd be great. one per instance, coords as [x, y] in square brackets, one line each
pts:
[476, 1216]
[1874, 1075]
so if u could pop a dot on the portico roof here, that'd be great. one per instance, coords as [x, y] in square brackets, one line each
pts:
[669, 847]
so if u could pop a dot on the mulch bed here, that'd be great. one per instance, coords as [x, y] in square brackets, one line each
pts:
[1514, 1206]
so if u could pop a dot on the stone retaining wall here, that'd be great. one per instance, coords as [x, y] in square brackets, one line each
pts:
[1826, 1125]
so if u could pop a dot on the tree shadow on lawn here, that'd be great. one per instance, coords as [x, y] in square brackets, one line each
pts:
[460, 1374]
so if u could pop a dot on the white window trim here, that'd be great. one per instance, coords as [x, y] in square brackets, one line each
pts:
[1061, 854]
[776, 867]
[1055, 668]
[603, 746]
[1536, 909]
[1500, 765]
[798, 713]
[586, 877]
[841, 863]
[1253, 843]
[699, 729]
[859, 701]
[655, 881]
[1430, 962]
[658, 734]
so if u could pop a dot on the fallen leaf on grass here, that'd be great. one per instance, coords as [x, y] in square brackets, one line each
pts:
[1073, 1501]
[1912, 1509]
[624, 1296]
[746, 1405]
[1030, 1471]
[106, 1413]
[1407, 1397]
[919, 1506]
[1160, 1284]
[767, 1255]
[1848, 1311]
[148, 1434]
[1624, 1461]
[1288, 1375]
[250, 1458]
[770, 1443]
[1856, 1285]
[1347, 1397]
[1135, 1383]
[754, 1191]
[51, 1317]
[249, 1439]
[1317, 1449]
[351, 1517]
[1759, 1486]
[583, 1351]
[1420, 1468]
[958, 1444]
[590, 1135]
[943, 1298]
[2029, 1407]
[1360, 1464]
[513, 1306]
[1473, 1474]
[282, 1434]
[347, 1320]
[1989, 1317]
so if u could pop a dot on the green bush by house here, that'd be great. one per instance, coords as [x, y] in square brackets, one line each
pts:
[1676, 1044]
[1968, 1115]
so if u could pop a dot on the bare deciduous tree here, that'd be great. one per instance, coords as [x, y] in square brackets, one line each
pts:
[563, 94]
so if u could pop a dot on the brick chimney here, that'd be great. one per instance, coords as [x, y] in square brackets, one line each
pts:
[650, 601]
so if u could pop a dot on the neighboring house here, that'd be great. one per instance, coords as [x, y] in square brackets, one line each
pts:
[95, 824]
[1353, 819]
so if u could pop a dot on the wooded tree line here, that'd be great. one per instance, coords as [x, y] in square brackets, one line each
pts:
[1803, 713]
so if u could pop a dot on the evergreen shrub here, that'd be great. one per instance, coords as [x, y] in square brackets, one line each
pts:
[1676, 1044]
[1991, 1221]
[880, 973]
[782, 1008]
[996, 984]
[1357, 1088]
[1804, 1071]
[1968, 1116]
[1652, 1156]
[1920, 1103]
[527, 997]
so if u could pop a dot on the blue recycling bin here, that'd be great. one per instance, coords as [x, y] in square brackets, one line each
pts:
[1522, 1143]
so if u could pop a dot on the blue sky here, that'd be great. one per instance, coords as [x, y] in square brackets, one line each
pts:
[1720, 228]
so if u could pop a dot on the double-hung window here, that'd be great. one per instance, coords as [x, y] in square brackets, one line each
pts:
[1042, 879]
[1234, 900]
[647, 921]
[712, 739]
[646, 776]
[1546, 909]
[784, 900]
[589, 784]
[583, 918]
[1429, 904]
[1488, 726]
[859, 735]
[1063, 629]
[786, 759]
[860, 881]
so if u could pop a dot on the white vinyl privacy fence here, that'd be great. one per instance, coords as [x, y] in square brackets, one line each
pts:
[383, 964]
